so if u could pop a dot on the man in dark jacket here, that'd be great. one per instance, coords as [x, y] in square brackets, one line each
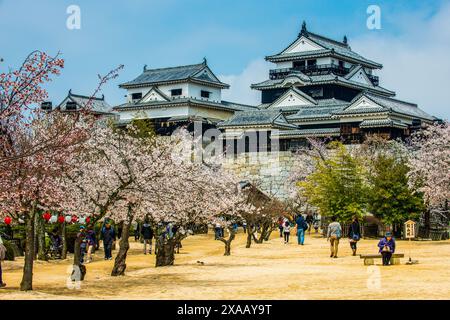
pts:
[387, 248]
[147, 235]
[109, 237]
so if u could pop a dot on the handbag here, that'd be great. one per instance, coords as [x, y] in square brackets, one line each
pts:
[355, 236]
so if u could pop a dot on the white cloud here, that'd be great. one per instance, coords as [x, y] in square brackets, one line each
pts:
[240, 92]
[416, 61]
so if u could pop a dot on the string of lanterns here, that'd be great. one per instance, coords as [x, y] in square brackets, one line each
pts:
[48, 217]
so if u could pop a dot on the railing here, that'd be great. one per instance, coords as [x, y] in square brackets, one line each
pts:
[318, 69]
[309, 70]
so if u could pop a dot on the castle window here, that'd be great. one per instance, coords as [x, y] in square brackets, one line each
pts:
[316, 93]
[205, 94]
[176, 92]
[70, 105]
[136, 96]
[299, 64]
[312, 62]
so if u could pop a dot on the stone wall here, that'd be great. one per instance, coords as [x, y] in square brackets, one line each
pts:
[269, 171]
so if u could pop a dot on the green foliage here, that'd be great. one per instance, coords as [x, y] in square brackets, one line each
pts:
[337, 185]
[10, 255]
[142, 128]
[390, 198]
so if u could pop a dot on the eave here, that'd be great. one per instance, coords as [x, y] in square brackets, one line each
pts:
[323, 53]
[173, 103]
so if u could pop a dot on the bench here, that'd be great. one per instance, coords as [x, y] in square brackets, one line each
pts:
[368, 258]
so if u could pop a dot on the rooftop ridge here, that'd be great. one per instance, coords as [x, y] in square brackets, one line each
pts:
[102, 98]
[392, 99]
[328, 39]
[176, 67]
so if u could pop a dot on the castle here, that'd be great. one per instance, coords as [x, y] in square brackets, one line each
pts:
[319, 87]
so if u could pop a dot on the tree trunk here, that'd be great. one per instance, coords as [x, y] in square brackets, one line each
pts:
[427, 222]
[64, 241]
[40, 233]
[165, 254]
[227, 248]
[249, 239]
[268, 231]
[228, 241]
[124, 245]
[79, 270]
[27, 278]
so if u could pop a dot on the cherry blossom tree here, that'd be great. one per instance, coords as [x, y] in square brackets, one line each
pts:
[430, 166]
[30, 185]
[35, 146]
[199, 193]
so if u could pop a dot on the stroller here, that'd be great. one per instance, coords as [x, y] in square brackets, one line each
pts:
[56, 246]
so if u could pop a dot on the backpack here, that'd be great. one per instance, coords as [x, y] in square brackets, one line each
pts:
[305, 226]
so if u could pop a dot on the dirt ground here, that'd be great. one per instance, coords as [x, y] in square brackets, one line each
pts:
[271, 270]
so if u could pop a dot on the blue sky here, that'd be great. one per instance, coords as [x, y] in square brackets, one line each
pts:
[233, 35]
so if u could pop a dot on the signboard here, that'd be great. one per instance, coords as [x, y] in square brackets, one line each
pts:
[410, 229]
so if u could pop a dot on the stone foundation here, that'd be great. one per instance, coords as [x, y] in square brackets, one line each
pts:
[269, 171]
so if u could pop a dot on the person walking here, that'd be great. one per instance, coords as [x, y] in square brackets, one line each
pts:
[281, 221]
[354, 234]
[286, 231]
[2, 258]
[83, 243]
[244, 226]
[334, 233]
[109, 237]
[217, 230]
[309, 221]
[301, 227]
[316, 222]
[147, 235]
[387, 248]
[91, 243]
[137, 231]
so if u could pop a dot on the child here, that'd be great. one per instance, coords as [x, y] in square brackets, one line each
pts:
[286, 231]
[91, 243]
[387, 248]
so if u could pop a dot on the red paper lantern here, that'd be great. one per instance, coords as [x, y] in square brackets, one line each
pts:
[7, 220]
[74, 218]
[47, 216]
[88, 220]
[61, 219]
